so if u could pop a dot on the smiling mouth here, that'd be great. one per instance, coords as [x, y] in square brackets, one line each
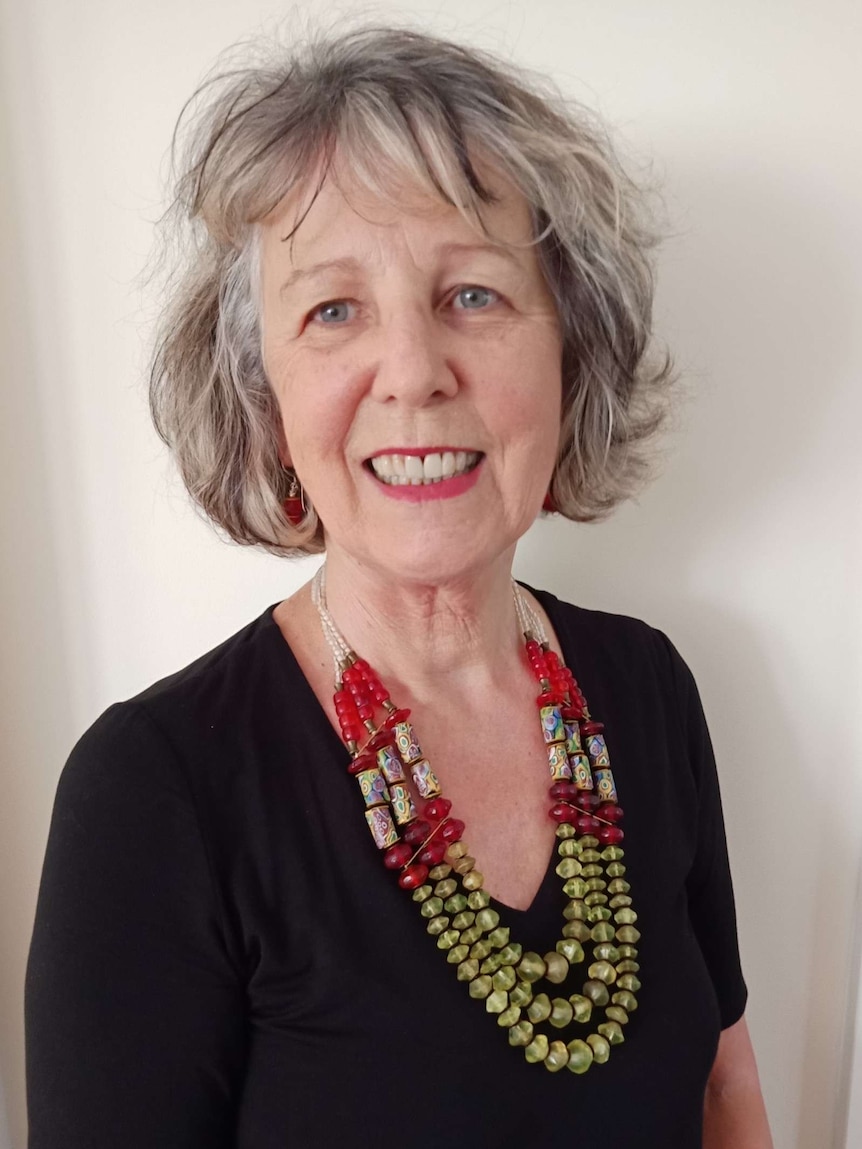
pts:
[422, 470]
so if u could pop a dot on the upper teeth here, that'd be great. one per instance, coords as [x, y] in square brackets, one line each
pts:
[417, 469]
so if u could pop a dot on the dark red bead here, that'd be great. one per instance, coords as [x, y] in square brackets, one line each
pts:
[592, 727]
[563, 813]
[381, 738]
[610, 812]
[397, 716]
[586, 824]
[453, 830]
[436, 809]
[571, 713]
[610, 835]
[397, 856]
[361, 762]
[587, 800]
[548, 698]
[413, 876]
[433, 853]
[566, 790]
[417, 832]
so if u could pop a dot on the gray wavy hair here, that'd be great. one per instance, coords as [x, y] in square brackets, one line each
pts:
[395, 101]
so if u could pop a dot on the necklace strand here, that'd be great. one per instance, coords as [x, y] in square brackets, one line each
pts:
[428, 851]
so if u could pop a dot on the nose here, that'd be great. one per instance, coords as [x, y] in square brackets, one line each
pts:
[414, 362]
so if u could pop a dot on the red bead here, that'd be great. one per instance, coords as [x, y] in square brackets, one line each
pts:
[436, 809]
[397, 856]
[380, 695]
[417, 832]
[563, 813]
[548, 698]
[413, 876]
[381, 738]
[610, 835]
[345, 707]
[361, 762]
[366, 713]
[592, 727]
[610, 812]
[571, 713]
[341, 696]
[453, 830]
[351, 674]
[552, 660]
[352, 732]
[433, 852]
[587, 800]
[361, 665]
[566, 790]
[586, 824]
[532, 645]
[397, 716]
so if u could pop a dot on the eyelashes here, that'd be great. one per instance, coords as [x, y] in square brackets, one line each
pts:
[337, 312]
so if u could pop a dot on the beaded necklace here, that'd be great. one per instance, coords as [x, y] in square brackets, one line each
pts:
[427, 850]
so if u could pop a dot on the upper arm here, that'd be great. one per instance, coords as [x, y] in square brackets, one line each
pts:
[134, 1010]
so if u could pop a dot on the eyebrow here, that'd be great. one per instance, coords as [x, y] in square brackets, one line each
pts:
[349, 264]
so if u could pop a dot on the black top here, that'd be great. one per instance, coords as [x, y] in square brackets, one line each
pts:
[220, 960]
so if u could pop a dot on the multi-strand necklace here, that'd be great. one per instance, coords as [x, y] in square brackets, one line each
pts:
[529, 994]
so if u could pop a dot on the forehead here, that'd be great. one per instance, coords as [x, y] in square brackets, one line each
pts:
[345, 216]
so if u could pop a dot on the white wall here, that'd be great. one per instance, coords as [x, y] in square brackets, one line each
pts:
[746, 551]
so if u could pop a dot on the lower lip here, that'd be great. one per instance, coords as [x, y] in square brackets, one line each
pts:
[445, 489]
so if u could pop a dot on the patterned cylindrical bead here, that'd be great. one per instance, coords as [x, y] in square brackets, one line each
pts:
[573, 738]
[381, 826]
[558, 762]
[424, 778]
[552, 724]
[373, 787]
[405, 740]
[391, 766]
[581, 774]
[605, 786]
[597, 750]
[401, 801]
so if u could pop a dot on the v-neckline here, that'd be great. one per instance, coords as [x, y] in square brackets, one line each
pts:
[340, 753]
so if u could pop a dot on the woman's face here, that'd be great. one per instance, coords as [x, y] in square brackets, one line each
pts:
[417, 370]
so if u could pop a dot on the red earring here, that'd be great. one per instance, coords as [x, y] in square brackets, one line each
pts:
[549, 505]
[294, 509]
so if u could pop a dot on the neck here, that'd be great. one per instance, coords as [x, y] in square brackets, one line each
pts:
[465, 628]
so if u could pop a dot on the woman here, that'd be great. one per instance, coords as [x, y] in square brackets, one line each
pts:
[416, 311]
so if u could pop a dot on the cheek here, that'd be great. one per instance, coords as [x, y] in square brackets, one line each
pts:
[317, 402]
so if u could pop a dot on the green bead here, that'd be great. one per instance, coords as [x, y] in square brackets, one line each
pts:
[421, 893]
[463, 920]
[509, 1016]
[539, 1008]
[468, 969]
[499, 937]
[626, 999]
[590, 856]
[470, 935]
[480, 986]
[613, 854]
[437, 925]
[602, 932]
[568, 867]
[592, 871]
[478, 899]
[597, 913]
[597, 992]
[579, 930]
[446, 888]
[487, 919]
[612, 1031]
[628, 966]
[575, 911]
[464, 864]
[567, 848]
[595, 899]
[480, 949]
[628, 952]
[618, 886]
[615, 870]
[455, 904]
[497, 1001]
[447, 939]
[521, 1033]
[561, 1013]
[600, 1047]
[455, 851]
[564, 830]
[597, 884]
[531, 967]
[473, 881]
[431, 908]
[606, 951]
[504, 978]
[581, 1006]
[589, 842]
[512, 953]
[625, 917]
[602, 971]
[580, 1056]
[557, 968]
[571, 949]
[537, 1050]
[457, 954]
[616, 1013]
[620, 901]
[438, 873]
[629, 981]
[490, 964]
[522, 994]
[558, 1057]
[571, 887]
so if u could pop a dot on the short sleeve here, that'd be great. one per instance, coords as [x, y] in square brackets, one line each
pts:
[709, 886]
[133, 1007]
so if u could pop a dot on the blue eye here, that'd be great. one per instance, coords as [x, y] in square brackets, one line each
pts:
[335, 312]
[475, 298]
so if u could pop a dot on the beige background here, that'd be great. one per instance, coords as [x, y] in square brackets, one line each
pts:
[747, 550]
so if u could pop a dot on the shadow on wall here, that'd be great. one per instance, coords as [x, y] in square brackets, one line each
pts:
[35, 718]
[756, 475]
